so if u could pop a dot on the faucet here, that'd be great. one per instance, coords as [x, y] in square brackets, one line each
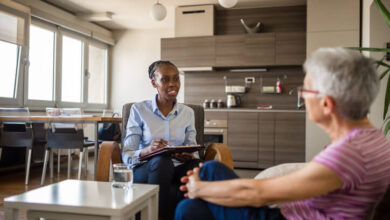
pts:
[300, 102]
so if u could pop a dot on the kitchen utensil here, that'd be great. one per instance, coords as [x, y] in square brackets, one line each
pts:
[233, 101]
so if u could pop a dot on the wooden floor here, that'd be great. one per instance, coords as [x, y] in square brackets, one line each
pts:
[13, 183]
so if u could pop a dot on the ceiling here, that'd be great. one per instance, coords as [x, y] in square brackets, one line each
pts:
[134, 14]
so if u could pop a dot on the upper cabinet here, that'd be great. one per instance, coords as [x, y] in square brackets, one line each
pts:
[189, 51]
[290, 48]
[244, 50]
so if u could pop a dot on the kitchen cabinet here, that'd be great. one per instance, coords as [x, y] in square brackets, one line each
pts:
[290, 48]
[289, 137]
[242, 138]
[189, 51]
[266, 139]
[245, 50]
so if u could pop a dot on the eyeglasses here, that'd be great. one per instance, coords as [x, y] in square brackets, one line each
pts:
[302, 91]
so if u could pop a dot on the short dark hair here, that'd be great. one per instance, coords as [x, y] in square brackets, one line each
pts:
[156, 64]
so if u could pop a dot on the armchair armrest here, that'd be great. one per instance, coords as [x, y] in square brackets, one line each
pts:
[109, 152]
[222, 152]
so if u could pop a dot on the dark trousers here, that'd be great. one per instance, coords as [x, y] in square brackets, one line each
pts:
[200, 209]
[160, 170]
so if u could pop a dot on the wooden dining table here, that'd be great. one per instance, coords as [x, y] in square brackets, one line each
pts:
[85, 119]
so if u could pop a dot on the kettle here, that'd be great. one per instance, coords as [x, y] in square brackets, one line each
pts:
[233, 101]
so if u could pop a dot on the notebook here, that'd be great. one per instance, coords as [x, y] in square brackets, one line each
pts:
[171, 150]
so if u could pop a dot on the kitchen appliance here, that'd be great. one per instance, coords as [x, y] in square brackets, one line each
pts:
[215, 131]
[233, 100]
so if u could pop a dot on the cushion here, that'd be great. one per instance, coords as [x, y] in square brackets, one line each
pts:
[279, 170]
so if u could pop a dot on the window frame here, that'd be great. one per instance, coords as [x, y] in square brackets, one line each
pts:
[22, 60]
[86, 41]
[89, 105]
[33, 102]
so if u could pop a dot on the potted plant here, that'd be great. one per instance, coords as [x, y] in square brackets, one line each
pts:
[386, 15]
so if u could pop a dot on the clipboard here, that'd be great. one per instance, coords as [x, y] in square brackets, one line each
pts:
[172, 150]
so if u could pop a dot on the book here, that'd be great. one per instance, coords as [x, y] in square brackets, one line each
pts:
[172, 150]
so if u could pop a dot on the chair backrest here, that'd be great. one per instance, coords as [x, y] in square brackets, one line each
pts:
[199, 120]
[65, 135]
[16, 134]
[65, 112]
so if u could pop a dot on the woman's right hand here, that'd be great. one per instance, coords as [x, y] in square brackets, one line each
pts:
[156, 144]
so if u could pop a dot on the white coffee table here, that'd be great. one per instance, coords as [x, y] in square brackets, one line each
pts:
[77, 199]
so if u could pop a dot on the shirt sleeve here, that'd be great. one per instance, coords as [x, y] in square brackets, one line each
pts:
[344, 161]
[190, 135]
[131, 143]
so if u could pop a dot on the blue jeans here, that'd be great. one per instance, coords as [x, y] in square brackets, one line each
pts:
[200, 209]
[160, 170]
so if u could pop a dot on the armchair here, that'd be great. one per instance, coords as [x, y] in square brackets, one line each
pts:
[110, 152]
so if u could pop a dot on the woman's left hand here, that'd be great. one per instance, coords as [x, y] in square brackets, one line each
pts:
[183, 157]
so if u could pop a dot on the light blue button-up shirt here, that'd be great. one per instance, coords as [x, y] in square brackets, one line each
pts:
[146, 123]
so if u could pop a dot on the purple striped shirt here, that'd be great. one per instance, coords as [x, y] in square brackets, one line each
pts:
[362, 161]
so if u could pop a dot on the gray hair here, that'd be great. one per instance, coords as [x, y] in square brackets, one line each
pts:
[347, 76]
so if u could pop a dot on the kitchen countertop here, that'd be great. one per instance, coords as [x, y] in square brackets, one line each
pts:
[255, 110]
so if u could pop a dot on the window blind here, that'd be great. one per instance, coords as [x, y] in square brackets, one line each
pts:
[11, 28]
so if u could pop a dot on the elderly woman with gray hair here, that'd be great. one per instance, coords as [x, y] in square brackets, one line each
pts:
[341, 182]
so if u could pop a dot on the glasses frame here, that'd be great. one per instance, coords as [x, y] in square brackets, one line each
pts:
[302, 90]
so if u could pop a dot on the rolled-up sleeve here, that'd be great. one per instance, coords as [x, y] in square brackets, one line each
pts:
[131, 143]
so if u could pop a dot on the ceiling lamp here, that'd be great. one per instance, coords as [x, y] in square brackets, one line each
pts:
[227, 3]
[158, 12]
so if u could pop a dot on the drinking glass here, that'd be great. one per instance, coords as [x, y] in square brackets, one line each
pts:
[123, 176]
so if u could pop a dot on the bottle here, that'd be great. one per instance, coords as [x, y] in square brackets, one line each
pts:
[206, 103]
[278, 86]
[219, 103]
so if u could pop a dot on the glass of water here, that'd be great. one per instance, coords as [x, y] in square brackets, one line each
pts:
[123, 175]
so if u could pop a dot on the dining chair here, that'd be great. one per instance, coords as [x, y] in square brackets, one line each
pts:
[17, 134]
[67, 136]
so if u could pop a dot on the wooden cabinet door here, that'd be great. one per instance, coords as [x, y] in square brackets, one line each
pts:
[189, 51]
[266, 139]
[289, 137]
[290, 48]
[259, 49]
[229, 50]
[242, 138]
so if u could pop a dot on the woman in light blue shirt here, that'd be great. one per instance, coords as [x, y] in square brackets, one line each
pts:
[152, 125]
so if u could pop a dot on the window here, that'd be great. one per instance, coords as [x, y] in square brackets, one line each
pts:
[41, 71]
[72, 70]
[97, 74]
[9, 56]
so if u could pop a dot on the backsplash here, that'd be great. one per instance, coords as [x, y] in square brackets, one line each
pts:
[211, 85]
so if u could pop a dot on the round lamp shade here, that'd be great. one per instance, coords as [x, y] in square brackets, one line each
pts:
[158, 12]
[227, 3]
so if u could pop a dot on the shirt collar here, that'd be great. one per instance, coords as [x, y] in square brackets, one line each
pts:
[156, 110]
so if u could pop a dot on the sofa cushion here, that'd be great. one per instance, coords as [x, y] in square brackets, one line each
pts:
[279, 170]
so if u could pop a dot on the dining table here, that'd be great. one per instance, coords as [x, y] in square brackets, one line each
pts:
[85, 119]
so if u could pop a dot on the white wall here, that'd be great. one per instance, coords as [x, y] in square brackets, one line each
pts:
[379, 34]
[330, 23]
[134, 52]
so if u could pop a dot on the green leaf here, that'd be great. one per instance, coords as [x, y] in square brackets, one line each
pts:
[387, 127]
[383, 64]
[385, 13]
[370, 49]
[384, 74]
[387, 99]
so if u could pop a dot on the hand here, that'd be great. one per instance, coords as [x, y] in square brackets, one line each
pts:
[186, 180]
[156, 144]
[183, 157]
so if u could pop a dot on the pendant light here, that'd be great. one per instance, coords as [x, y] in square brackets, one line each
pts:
[158, 12]
[227, 3]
